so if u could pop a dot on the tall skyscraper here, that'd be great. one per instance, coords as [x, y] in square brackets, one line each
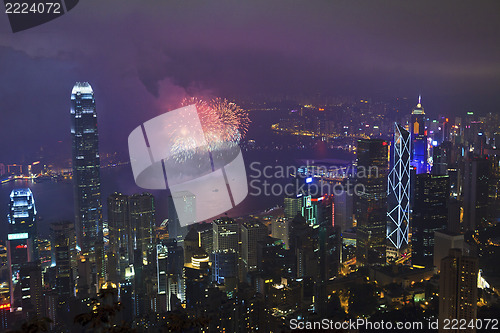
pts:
[371, 208]
[119, 235]
[458, 289]
[64, 256]
[439, 161]
[226, 234]
[398, 200]
[429, 214]
[280, 229]
[475, 192]
[142, 223]
[169, 269]
[86, 167]
[22, 217]
[186, 202]
[293, 206]
[21, 240]
[418, 139]
[251, 233]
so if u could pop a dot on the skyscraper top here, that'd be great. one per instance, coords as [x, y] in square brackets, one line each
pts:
[82, 88]
[418, 109]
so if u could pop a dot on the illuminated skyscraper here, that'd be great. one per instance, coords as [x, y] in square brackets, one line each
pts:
[418, 139]
[64, 256]
[86, 167]
[398, 200]
[119, 235]
[142, 223]
[21, 239]
[371, 208]
[429, 214]
[226, 234]
[251, 233]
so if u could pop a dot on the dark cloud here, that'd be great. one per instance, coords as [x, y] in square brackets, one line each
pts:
[143, 57]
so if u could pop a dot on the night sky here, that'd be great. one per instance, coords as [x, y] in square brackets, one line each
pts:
[142, 57]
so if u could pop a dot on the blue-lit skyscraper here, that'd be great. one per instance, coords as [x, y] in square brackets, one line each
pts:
[398, 199]
[86, 167]
[418, 139]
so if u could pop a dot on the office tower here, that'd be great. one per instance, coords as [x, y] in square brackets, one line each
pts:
[458, 289]
[64, 257]
[475, 192]
[190, 244]
[398, 199]
[371, 205]
[169, 265]
[22, 217]
[142, 226]
[344, 209]
[274, 261]
[119, 235]
[197, 281]
[293, 206]
[86, 167]
[280, 227]
[21, 239]
[205, 236]
[30, 275]
[430, 214]
[226, 234]
[186, 202]
[444, 241]
[418, 139]
[309, 211]
[251, 233]
[494, 187]
[225, 266]
[329, 251]
[454, 209]
[304, 244]
[439, 161]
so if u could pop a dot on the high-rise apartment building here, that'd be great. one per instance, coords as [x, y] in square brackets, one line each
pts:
[86, 167]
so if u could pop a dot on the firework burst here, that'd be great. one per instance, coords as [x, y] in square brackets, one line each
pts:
[223, 122]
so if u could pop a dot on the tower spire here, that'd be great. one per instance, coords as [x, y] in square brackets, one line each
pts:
[419, 98]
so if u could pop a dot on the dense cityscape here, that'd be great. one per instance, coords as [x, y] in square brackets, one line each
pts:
[415, 238]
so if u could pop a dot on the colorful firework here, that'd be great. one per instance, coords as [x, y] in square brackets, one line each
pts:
[223, 123]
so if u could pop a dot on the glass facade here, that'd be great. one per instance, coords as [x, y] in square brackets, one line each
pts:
[21, 240]
[398, 200]
[86, 167]
[372, 201]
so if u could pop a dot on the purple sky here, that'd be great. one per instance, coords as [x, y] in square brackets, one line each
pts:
[142, 57]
